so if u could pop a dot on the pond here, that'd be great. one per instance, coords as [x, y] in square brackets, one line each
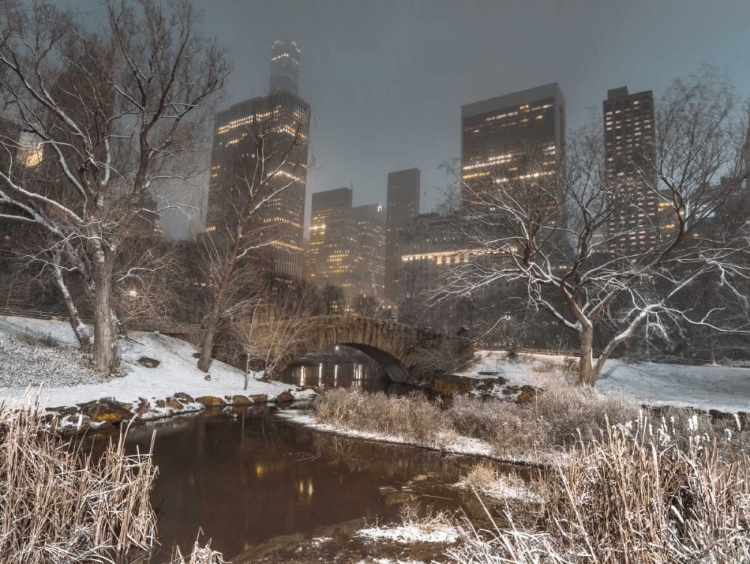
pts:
[244, 479]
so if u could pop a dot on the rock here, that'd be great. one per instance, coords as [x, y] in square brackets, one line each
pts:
[284, 396]
[184, 398]
[143, 407]
[488, 384]
[259, 398]
[450, 385]
[717, 415]
[528, 394]
[210, 401]
[241, 400]
[174, 404]
[207, 377]
[105, 409]
[148, 362]
[488, 373]
[161, 403]
[196, 355]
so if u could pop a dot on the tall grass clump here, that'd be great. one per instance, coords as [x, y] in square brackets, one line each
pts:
[58, 504]
[631, 496]
[412, 417]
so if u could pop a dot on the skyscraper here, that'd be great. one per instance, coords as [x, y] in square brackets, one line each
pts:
[402, 207]
[347, 244]
[285, 64]
[630, 153]
[511, 137]
[281, 221]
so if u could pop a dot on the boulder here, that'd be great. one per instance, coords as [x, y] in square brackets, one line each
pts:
[105, 410]
[284, 397]
[148, 362]
[241, 400]
[63, 410]
[174, 403]
[450, 385]
[143, 406]
[210, 401]
[528, 394]
[184, 398]
[259, 398]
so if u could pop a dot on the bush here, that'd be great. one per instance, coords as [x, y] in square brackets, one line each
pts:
[412, 417]
[38, 339]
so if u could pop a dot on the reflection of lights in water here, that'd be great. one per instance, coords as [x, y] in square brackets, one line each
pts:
[336, 376]
[260, 470]
[302, 376]
[337, 347]
[320, 377]
[358, 372]
[305, 490]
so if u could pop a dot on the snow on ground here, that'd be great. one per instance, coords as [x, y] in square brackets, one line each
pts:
[706, 387]
[177, 371]
[438, 531]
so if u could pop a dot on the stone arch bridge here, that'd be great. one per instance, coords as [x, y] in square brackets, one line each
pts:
[398, 348]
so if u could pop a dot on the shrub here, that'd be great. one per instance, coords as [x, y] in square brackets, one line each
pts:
[413, 417]
[38, 339]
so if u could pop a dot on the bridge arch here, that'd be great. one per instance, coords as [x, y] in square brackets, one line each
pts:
[392, 345]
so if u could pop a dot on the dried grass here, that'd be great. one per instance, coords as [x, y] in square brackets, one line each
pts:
[412, 417]
[38, 339]
[199, 555]
[59, 505]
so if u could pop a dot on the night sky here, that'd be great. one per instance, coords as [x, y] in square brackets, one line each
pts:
[386, 78]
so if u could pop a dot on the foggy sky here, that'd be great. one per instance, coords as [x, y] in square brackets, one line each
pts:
[386, 78]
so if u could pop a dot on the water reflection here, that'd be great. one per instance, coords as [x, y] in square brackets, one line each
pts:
[327, 375]
[242, 481]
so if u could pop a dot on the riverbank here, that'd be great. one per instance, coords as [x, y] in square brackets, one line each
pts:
[158, 378]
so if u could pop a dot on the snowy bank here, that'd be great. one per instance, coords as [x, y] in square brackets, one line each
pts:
[448, 443]
[722, 388]
[137, 385]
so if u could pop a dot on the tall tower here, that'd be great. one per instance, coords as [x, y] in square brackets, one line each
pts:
[285, 63]
[630, 153]
[401, 209]
[281, 220]
[507, 137]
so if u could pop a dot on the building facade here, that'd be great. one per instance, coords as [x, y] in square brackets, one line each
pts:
[630, 154]
[347, 244]
[402, 207]
[280, 223]
[511, 137]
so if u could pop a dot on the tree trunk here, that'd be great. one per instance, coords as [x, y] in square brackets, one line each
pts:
[79, 328]
[214, 316]
[588, 371]
[105, 334]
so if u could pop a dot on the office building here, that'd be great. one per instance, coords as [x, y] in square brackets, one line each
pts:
[517, 136]
[401, 209]
[281, 220]
[347, 244]
[630, 155]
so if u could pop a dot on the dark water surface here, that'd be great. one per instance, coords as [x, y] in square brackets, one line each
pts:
[245, 479]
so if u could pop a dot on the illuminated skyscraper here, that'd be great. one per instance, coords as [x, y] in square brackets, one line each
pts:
[347, 244]
[281, 220]
[511, 137]
[402, 207]
[630, 153]
[285, 63]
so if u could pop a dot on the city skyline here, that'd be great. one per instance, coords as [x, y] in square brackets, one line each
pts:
[374, 113]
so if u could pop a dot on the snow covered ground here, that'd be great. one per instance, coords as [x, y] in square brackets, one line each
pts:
[72, 384]
[705, 387]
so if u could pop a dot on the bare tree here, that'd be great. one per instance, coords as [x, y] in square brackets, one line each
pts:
[257, 178]
[274, 327]
[366, 306]
[551, 232]
[106, 110]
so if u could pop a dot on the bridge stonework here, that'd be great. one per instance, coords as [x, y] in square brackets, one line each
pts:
[396, 347]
